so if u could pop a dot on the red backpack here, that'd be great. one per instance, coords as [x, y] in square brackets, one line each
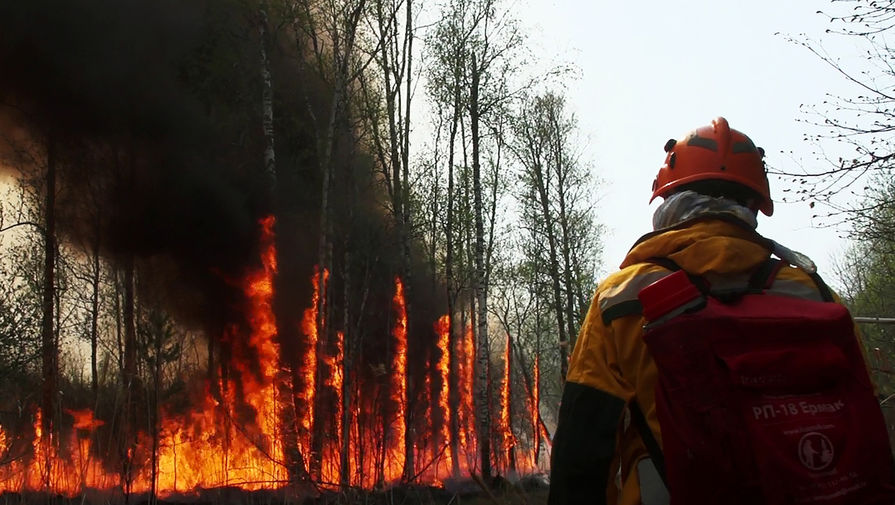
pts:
[761, 398]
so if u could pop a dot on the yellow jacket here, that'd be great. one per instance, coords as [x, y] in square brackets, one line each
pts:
[596, 449]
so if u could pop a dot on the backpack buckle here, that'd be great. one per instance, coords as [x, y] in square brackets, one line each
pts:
[669, 297]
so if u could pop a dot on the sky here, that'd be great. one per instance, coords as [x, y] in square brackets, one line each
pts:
[653, 70]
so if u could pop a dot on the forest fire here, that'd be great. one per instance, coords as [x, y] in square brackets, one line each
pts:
[507, 439]
[216, 444]
[443, 366]
[396, 456]
[309, 370]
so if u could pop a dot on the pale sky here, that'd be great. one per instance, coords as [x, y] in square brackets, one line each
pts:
[652, 70]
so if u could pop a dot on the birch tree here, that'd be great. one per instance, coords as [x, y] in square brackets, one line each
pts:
[556, 209]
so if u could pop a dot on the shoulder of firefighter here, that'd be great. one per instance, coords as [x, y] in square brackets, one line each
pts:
[598, 454]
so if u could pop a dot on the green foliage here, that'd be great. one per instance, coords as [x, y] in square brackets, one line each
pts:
[868, 276]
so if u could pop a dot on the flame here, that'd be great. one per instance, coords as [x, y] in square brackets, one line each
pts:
[233, 436]
[334, 363]
[466, 371]
[84, 419]
[539, 430]
[259, 291]
[442, 447]
[309, 368]
[508, 440]
[213, 446]
[423, 442]
[395, 464]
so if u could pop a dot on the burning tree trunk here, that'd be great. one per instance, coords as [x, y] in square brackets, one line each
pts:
[315, 448]
[399, 390]
[306, 402]
[536, 405]
[508, 439]
[445, 397]
[345, 365]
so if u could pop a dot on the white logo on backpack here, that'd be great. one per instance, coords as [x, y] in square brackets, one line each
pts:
[816, 451]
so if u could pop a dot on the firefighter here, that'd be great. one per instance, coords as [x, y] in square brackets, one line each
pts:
[713, 183]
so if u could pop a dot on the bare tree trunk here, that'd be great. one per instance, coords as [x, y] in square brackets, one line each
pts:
[267, 100]
[130, 374]
[480, 288]
[94, 318]
[49, 351]
[541, 181]
[119, 324]
[560, 160]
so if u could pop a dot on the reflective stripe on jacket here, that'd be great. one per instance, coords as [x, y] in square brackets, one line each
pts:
[596, 449]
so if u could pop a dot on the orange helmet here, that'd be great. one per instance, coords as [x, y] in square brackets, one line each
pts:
[714, 152]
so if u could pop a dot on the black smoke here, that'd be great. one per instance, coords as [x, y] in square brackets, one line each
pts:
[154, 109]
[146, 104]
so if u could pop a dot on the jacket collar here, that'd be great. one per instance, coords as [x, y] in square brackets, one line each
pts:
[711, 242]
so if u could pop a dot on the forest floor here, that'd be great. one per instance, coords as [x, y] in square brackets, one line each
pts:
[529, 491]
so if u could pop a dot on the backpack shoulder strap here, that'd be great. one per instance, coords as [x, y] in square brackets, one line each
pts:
[763, 277]
[649, 440]
[825, 292]
[666, 263]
